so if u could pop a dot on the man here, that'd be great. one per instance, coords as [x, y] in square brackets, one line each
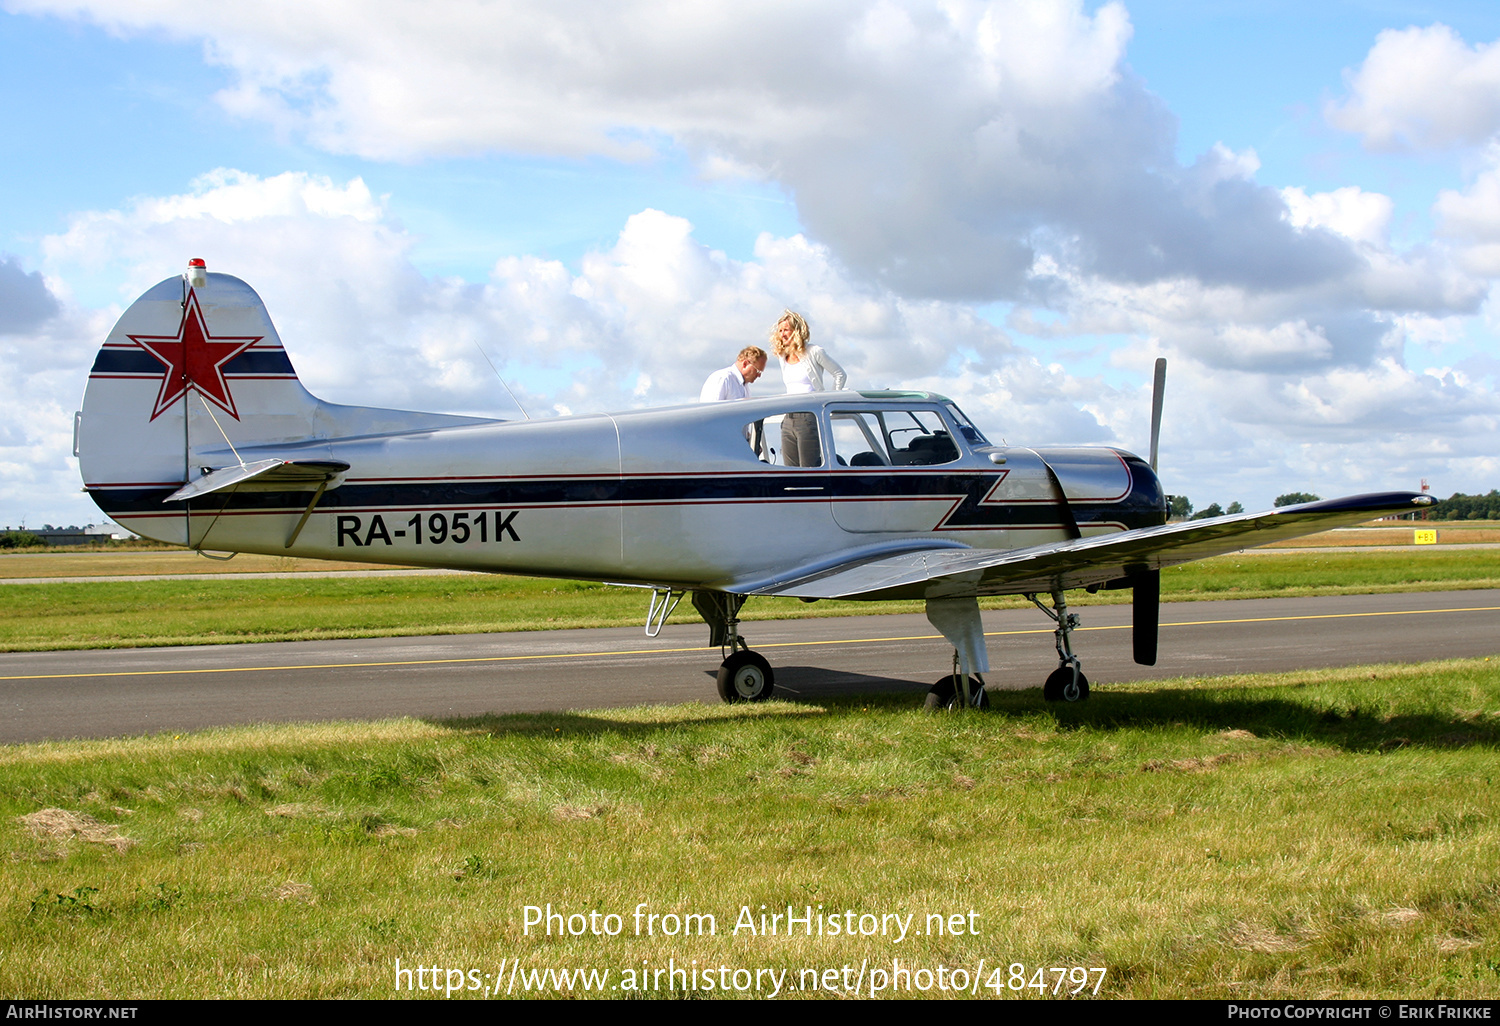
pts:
[733, 382]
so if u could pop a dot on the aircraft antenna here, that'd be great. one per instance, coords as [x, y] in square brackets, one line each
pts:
[1158, 386]
[221, 429]
[502, 380]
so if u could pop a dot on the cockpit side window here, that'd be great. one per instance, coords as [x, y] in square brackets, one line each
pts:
[892, 438]
[859, 441]
[919, 438]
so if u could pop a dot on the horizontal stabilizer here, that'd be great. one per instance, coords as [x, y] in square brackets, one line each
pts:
[273, 474]
[1076, 563]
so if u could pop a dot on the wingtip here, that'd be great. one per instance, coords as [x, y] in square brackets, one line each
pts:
[1373, 502]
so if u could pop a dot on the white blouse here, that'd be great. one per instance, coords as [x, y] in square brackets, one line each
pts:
[806, 375]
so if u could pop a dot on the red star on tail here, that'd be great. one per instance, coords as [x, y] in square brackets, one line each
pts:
[193, 358]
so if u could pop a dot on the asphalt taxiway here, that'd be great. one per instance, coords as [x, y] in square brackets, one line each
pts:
[117, 692]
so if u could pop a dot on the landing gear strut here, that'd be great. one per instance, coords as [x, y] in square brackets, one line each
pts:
[744, 676]
[1066, 683]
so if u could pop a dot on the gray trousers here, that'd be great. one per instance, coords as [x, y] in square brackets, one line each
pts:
[799, 440]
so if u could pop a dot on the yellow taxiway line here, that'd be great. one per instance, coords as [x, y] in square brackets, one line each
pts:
[701, 648]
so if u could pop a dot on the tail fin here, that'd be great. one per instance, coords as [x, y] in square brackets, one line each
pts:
[192, 376]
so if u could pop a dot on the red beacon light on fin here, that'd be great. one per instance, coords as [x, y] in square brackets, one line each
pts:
[197, 273]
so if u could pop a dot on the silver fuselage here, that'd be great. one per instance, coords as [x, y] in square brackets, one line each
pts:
[666, 497]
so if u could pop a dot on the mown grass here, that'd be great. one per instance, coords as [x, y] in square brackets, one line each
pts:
[1322, 834]
[109, 614]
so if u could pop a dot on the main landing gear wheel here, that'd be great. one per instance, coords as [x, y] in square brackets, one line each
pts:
[948, 694]
[1064, 686]
[746, 677]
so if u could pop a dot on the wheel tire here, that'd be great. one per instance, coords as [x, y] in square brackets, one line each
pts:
[746, 677]
[947, 694]
[1059, 686]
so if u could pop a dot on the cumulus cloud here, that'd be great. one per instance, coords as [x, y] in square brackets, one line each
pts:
[935, 147]
[25, 300]
[938, 153]
[43, 368]
[1271, 391]
[657, 308]
[1350, 211]
[1470, 217]
[1422, 88]
[945, 151]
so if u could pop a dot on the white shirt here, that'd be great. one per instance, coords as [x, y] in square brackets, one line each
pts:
[806, 375]
[728, 383]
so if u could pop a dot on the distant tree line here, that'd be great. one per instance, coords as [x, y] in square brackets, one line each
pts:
[1213, 509]
[1459, 506]
[1181, 507]
[18, 540]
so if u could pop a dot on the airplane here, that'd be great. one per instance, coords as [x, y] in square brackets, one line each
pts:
[196, 431]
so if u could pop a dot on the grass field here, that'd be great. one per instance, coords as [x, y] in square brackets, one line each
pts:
[106, 614]
[1320, 834]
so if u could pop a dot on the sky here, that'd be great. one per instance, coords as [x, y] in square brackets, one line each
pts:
[1019, 205]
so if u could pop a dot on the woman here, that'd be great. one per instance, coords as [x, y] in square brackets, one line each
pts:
[802, 369]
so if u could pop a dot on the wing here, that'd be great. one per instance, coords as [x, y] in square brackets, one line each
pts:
[942, 571]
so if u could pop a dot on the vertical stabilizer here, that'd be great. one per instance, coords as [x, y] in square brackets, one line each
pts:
[193, 374]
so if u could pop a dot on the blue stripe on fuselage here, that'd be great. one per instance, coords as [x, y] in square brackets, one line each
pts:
[967, 489]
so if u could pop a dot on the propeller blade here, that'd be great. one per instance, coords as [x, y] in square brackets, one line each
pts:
[1145, 598]
[1157, 387]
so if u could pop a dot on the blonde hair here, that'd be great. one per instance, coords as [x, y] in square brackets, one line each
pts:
[755, 354]
[797, 344]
